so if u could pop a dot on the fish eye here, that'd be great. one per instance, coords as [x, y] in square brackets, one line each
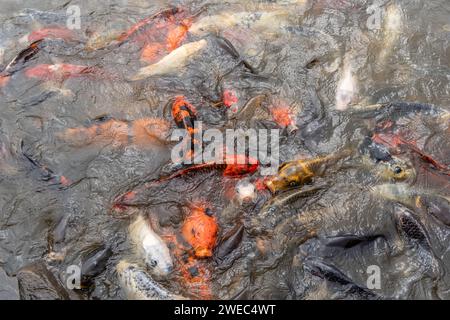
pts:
[397, 170]
[293, 184]
[153, 263]
[209, 212]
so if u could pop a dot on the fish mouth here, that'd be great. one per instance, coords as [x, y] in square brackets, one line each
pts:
[270, 185]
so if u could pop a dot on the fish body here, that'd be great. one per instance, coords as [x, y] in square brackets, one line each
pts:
[173, 62]
[432, 203]
[150, 247]
[36, 282]
[229, 242]
[200, 231]
[138, 285]
[184, 114]
[51, 33]
[328, 272]
[59, 72]
[346, 89]
[141, 132]
[265, 22]
[297, 173]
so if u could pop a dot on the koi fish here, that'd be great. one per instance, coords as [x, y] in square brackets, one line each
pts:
[284, 116]
[173, 62]
[50, 33]
[327, 272]
[200, 231]
[60, 72]
[430, 202]
[18, 62]
[138, 285]
[47, 173]
[263, 22]
[297, 173]
[141, 132]
[234, 166]
[184, 114]
[150, 247]
[394, 142]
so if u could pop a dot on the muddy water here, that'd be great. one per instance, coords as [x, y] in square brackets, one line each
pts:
[401, 55]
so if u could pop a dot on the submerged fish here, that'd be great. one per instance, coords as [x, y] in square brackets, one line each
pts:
[428, 201]
[346, 90]
[18, 62]
[297, 173]
[330, 273]
[138, 285]
[60, 72]
[265, 22]
[229, 242]
[94, 263]
[173, 62]
[200, 230]
[55, 32]
[150, 247]
[36, 282]
[395, 169]
[141, 132]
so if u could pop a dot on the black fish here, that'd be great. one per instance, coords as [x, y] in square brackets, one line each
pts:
[349, 241]
[229, 242]
[94, 263]
[24, 56]
[327, 272]
[36, 282]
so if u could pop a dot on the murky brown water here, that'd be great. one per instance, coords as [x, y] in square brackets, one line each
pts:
[304, 60]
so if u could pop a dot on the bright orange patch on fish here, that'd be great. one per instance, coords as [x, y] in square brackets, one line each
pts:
[51, 33]
[176, 35]
[200, 231]
[152, 52]
[229, 98]
[283, 116]
[239, 165]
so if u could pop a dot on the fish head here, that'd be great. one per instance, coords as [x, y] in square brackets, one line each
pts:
[397, 170]
[289, 176]
[157, 256]
[200, 231]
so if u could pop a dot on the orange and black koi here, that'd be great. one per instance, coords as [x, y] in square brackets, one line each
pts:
[234, 166]
[184, 114]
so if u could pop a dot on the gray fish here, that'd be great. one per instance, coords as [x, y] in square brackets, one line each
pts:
[229, 242]
[95, 262]
[330, 273]
[138, 285]
[36, 282]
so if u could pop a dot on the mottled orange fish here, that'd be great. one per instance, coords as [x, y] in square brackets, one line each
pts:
[200, 230]
[60, 72]
[51, 33]
[159, 34]
[142, 132]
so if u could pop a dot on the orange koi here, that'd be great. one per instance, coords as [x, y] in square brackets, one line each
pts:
[59, 72]
[51, 33]
[142, 132]
[200, 231]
